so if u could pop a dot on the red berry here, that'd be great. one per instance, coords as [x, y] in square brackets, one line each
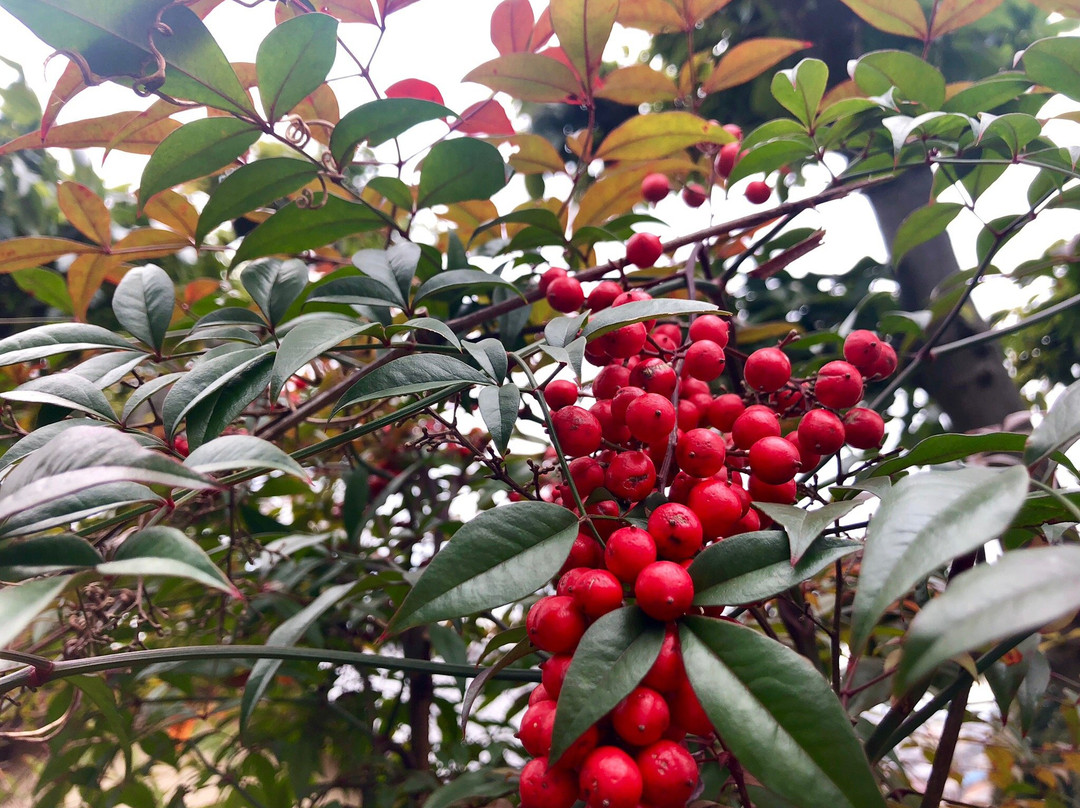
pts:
[716, 505]
[555, 624]
[791, 399]
[549, 277]
[613, 432]
[655, 187]
[664, 590]
[608, 508]
[585, 552]
[650, 418]
[544, 787]
[687, 712]
[539, 694]
[587, 474]
[694, 195]
[767, 370]
[597, 592]
[610, 779]
[578, 430]
[560, 393]
[862, 349]
[610, 380]
[810, 459]
[628, 551]
[622, 343]
[839, 385]
[821, 432]
[700, 452]
[754, 423]
[580, 749]
[622, 401]
[643, 249]
[710, 327]
[631, 476]
[733, 129]
[667, 671]
[565, 295]
[761, 491]
[865, 428]
[553, 673]
[603, 295]
[758, 192]
[536, 728]
[774, 460]
[886, 363]
[726, 159]
[642, 717]
[676, 530]
[669, 774]
[724, 410]
[568, 580]
[687, 415]
[704, 360]
[654, 376]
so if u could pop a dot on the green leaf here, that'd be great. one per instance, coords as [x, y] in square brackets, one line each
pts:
[143, 303]
[288, 633]
[535, 217]
[167, 551]
[71, 506]
[499, 556]
[429, 324]
[293, 60]
[489, 354]
[948, 447]
[1059, 428]
[925, 521]
[416, 373]
[768, 157]
[242, 452]
[275, 285]
[307, 340]
[800, 89]
[777, 715]
[1016, 129]
[105, 370]
[987, 93]
[617, 316]
[1055, 63]
[461, 279]
[922, 225]
[253, 186]
[916, 80]
[803, 526]
[1032, 690]
[294, 229]
[41, 555]
[583, 28]
[64, 390]
[392, 189]
[609, 662]
[561, 331]
[195, 150]
[39, 437]
[482, 783]
[376, 265]
[499, 409]
[1028, 589]
[903, 17]
[103, 697]
[21, 603]
[47, 340]
[756, 566]
[215, 412]
[379, 121]
[1005, 679]
[354, 290]
[206, 376]
[459, 170]
[145, 391]
[45, 285]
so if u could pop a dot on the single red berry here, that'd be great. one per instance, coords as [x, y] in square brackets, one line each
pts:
[539, 694]
[681, 487]
[610, 380]
[821, 432]
[536, 727]
[642, 717]
[664, 590]
[565, 295]
[774, 460]
[643, 250]
[700, 452]
[578, 430]
[587, 474]
[726, 159]
[687, 415]
[555, 624]
[597, 592]
[550, 276]
[791, 399]
[660, 345]
[650, 418]
[603, 295]
[622, 400]
[704, 360]
[669, 774]
[654, 376]
[610, 779]
[605, 508]
[710, 327]
[575, 754]
[862, 349]
[733, 129]
[686, 710]
[655, 187]
[690, 387]
[676, 530]
[886, 363]
[631, 476]
[716, 505]
[628, 551]
[667, 672]
[553, 673]
[865, 428]
[568, 580]
[839, 385]
[767, 370]
[542, 786]
[181, 447]
[724, 409]
[694, 195]
[810, 459]
[560, 393]
[761, 491]
[754, 423]
[613, 431]
[585, 552]
[749, 522]
[758, 192]
[622, 343]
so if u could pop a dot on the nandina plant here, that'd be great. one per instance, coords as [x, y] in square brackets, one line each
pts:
[573, 444]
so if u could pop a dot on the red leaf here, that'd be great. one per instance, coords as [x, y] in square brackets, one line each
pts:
[512, 26]
[415, 88]
[350, 10]
[390, 6]
[543, 31]
[485, 118]
[69, 85]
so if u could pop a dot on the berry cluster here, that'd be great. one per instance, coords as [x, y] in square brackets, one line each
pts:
[656, 430]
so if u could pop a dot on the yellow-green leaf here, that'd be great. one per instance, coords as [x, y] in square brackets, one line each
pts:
[528, 77]
[583, 28]
[637, 84]
[953, 14]
[32, 251]
[650, 137]
[84, 278]
[903, 17]
[85, 211]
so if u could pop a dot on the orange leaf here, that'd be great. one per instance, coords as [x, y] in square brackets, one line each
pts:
[543, 30]
[174, 211]
[528, 77]
[349, 10]
[145, 243]
[69, 85]
[415, 88]
[617, 191]
[637, 84]
[139, 123]
[85, 211]
[903, 17]
[512, 26]
[485, 118]
[696, 11]
[953, 14]
[84, 278]
[197, 290]
[583, 28]
[654, 16]
[750, 59]
[32, 251]
[534, 155]
[320, 106]
[95, 132]
[470, 215]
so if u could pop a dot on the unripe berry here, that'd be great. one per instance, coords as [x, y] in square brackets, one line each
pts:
[650, 418]
[628, 551]
[774, 460]
[758, 192]
[821, 432]
[603, 295]
[643, 249]
[865, 428]
[694, 195]
[560, 393]
[555, 624]
[700, 452]
[664, 590]
[862, 349]
[565, 295]
[642, 717]
[544, 787]
[710, 327]
[676, 530]
[655, 187]
[754, 423]
[610, 779]
[669, 774]
[631, 476]
[578, 431]
[704, 360]
[839, 385]
[767, 370]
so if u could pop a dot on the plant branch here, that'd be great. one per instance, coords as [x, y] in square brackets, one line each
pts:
[943, 757]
